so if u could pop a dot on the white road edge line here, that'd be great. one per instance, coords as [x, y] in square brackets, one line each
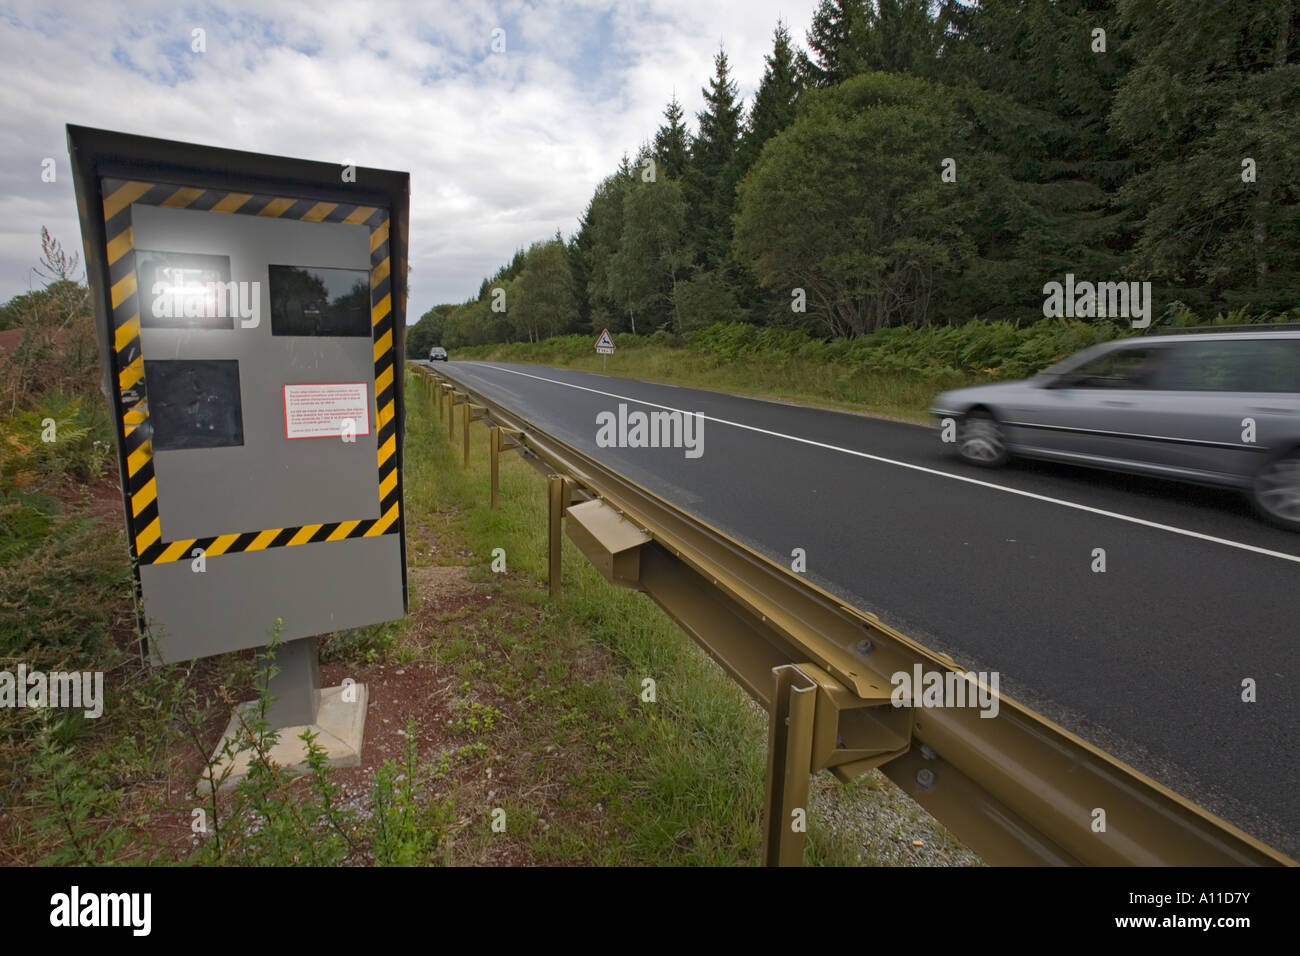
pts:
[929, 471]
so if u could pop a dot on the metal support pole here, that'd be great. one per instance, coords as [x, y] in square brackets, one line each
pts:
[468, 414]
[296, 685]
[494, 456]
[451, 416]
[555, 492]
[789, 762]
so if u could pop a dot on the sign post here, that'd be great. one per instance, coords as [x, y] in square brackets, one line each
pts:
[250, 312]
[605, 347]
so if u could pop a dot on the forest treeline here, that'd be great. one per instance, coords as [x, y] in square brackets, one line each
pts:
[922, 162]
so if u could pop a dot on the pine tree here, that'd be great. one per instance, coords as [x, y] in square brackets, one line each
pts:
[714, 166]
[580, 268]
[672, 142]
[1212, 112]
[1042, 104]
[900, 38]
[836, 30]
[776, 99]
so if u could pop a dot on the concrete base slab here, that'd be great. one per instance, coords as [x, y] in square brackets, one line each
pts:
[340, 728]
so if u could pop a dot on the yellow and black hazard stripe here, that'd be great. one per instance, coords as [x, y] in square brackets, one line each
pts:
[128, 365]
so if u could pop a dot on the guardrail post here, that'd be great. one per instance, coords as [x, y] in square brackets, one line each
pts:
[789, 763]
[555, 493]
[494, 458]
[451, 416]
[469, 412]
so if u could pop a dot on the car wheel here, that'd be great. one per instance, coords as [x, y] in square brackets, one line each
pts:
[1276, 491]
[980, 441]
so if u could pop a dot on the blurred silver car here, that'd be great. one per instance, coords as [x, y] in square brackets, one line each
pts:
[1211, 408]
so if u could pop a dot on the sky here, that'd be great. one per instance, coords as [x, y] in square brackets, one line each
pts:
[503, 148]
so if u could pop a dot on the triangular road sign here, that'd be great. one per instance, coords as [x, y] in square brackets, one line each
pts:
[604, 342]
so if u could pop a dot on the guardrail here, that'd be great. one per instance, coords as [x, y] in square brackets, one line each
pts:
[1015, 787]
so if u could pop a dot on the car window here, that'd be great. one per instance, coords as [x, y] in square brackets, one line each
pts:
[1243, 365]
[1069, 363]
[1119, 368]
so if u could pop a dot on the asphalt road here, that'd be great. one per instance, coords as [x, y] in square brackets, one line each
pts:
[1146, 660]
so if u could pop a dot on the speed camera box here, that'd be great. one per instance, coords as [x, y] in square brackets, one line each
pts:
[250, 311]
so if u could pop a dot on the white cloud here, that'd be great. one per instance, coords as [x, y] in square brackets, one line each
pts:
[503, 149]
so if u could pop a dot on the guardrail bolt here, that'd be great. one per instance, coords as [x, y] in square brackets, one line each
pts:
[865, 647]
[927, 753]
[925, 778]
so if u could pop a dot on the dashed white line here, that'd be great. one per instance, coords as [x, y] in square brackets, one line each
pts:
[1240, 545]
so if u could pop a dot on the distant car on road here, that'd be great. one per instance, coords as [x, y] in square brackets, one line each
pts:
[1210, 408]
[437, 354]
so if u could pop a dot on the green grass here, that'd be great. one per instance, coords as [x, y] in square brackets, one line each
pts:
[678, 781]
[788, 378]
[50, 547]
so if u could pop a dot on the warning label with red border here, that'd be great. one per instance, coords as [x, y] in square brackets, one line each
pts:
[331, 410]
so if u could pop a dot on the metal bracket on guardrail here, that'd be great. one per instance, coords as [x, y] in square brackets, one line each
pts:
[608, 540]
[816, 723]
